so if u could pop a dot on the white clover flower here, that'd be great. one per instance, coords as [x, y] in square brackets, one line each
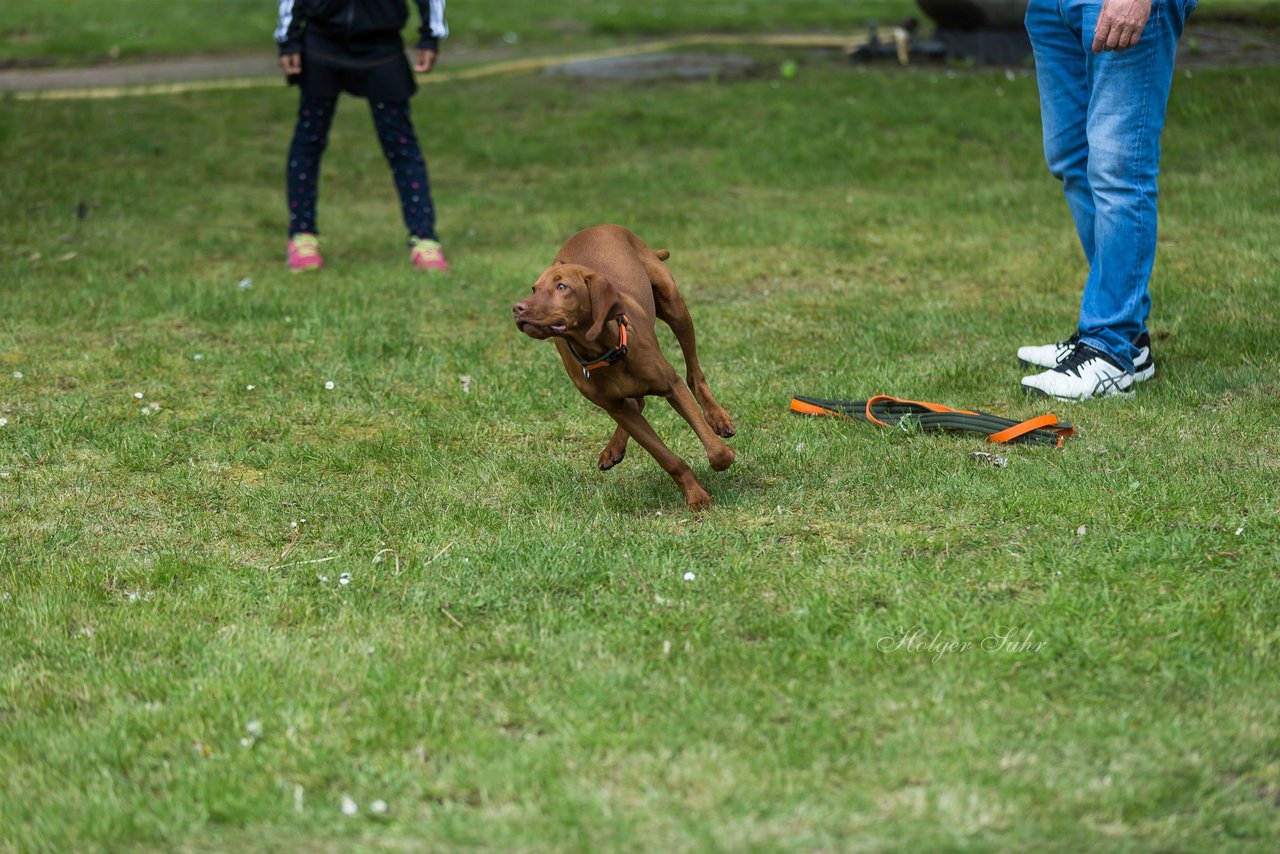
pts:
[344, 579]
[138, 395]
[198, 356]
[349, 806]
[328, 385]
[250, 387]
[323, 579]
[3, 421]
[254, 728]
[246, 283]
[378, 807]
[17, 375]
[689, 576]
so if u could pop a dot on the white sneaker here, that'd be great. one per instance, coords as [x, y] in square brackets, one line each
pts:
[1052, 355]
[1085, 373]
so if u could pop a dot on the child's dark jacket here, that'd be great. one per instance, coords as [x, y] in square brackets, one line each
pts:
[356, 26]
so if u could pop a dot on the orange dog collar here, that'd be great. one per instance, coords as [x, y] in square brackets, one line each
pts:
[607, 359]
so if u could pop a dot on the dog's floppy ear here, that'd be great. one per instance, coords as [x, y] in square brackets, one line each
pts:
[605, 303]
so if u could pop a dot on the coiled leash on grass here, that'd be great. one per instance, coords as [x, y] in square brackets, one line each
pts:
[890, 412]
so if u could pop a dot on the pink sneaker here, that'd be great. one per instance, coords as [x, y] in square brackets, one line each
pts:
[304, 253]
[427, 254]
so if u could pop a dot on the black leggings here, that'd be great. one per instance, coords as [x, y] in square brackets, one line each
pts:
[399, 144]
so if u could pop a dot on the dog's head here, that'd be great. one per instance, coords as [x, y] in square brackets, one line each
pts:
[567, 298]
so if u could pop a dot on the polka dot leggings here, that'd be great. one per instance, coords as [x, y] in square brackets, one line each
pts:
[399, 145]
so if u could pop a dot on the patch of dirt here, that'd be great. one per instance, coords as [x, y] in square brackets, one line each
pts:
[658, 66]
[1225, 45]
[175, 70]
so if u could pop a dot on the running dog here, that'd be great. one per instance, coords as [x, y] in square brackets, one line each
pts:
[600, 300]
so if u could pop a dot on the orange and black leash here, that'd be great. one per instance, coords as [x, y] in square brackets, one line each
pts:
[889, 411]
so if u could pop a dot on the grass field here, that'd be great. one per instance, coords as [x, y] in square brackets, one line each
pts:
[517, 660]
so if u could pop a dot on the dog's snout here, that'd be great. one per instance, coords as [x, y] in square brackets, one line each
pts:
[519, 308]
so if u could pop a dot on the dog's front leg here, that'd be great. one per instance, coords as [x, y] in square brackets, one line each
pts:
[629, 419]
[617, 447]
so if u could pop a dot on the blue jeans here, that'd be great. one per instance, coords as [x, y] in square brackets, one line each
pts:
[1103, 115]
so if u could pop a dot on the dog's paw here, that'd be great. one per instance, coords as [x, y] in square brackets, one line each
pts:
[699, 502]
[721, 423]
[610, 457]
[721, 459]
[698, 499]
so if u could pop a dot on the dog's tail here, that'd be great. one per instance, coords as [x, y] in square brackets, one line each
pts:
[663, 254]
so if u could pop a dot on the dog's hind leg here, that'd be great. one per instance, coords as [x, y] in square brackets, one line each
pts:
[672, 309]
[617, 447]
[719, 455]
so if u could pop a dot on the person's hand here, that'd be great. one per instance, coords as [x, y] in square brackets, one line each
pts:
[291, 63]
[426, 61]
[1120, 24]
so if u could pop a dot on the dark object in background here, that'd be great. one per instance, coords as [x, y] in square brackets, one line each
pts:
[975, 14]
[901, 45]
[984, 31]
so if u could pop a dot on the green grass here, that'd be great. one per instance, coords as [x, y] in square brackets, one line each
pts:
[534, 673]
[1265, 13]
[78, 31]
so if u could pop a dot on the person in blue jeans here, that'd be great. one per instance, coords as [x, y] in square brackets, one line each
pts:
[1105, 68]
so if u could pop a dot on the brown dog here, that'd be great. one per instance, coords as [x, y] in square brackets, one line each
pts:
[599, 300]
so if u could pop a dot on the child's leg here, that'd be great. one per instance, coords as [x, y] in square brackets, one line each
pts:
[408, 168]
[310, 136]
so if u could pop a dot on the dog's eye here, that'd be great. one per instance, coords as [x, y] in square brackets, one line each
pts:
[562, 287]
